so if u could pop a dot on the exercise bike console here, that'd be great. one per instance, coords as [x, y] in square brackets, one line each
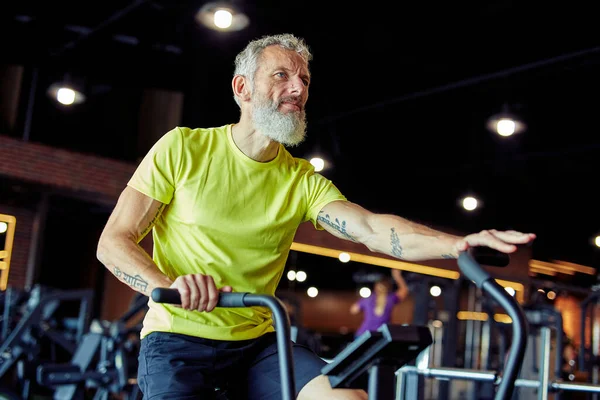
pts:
[380, 354]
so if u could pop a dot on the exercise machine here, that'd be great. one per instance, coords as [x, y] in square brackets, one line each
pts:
[280, 319]
[377, 356]
[33, 326]
[589, 358]
[103, 365]
[377, 353]
[507, 380]
[468, 263]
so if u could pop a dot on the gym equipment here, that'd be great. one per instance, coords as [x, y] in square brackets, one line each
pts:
[102, 362]
[589, 358]
[27, 334]
[483, 280]
[542, 319]
[280, 318]
[380, 353]
[507, 381]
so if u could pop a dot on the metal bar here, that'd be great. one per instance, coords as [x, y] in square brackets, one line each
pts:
[577, 387]
[469, 327]
[381, 381]
[400, 385]
[491, 376]
[452, 373]
[450, 335]
[527, 383]
[520, 331]
[6, 317]
[544, 369]
[284, 342]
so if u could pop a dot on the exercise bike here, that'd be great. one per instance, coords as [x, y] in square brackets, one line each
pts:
[377, 356]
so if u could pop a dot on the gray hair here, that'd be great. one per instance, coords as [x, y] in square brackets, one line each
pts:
[246, 62]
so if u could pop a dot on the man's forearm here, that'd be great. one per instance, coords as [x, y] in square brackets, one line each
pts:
[406, 240]
[130, 263]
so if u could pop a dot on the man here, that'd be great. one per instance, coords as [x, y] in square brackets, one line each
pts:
[377, 309]
[223, 205]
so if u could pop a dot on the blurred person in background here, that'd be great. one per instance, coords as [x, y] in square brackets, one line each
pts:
[378, 307]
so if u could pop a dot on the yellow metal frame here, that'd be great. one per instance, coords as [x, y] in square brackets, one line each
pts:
[5, 254]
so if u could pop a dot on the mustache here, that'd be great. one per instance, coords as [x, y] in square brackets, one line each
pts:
[291, 99]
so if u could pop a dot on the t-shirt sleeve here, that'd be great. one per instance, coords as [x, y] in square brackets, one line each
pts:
[156, 175]
[321, 191]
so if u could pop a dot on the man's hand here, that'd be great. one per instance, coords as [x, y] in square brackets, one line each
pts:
[198, 292]
[503, 241]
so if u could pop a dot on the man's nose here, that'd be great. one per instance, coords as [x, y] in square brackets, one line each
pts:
[297, 86]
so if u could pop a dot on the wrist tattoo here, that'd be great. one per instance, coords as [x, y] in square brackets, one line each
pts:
[448, 256]
[136, 282]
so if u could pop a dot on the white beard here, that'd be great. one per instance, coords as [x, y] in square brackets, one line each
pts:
[288, 129]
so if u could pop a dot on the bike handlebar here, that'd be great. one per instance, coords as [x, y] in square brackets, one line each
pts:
[280, 317]
[483, 280]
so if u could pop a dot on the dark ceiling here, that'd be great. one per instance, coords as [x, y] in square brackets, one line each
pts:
[399, 98]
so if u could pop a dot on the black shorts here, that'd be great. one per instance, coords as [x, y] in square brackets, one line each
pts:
[174, 366]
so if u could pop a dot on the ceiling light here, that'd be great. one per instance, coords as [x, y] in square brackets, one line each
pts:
[66, 93]
[301, 276]
[435, 291]
[365, 292]
[318, 163]
[344, 257]
[469, 203]
[505, 123]
[222, 16]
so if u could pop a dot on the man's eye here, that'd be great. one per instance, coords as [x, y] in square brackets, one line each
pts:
[281, 74]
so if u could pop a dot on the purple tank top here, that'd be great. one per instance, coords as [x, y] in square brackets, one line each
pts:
[371, 321]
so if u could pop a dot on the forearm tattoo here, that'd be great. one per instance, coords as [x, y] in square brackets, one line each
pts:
[395, 242]
[340, 227]
[154, 219]
[448, 256]
[136, 282]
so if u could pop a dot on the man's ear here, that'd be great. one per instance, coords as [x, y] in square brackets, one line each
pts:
[240, 87]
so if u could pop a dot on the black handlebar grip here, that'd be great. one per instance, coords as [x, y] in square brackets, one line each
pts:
[165, 295]
[232, 300]
[171, 296]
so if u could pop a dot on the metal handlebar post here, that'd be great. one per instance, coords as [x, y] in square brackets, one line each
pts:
[473, 271]
[280, 317]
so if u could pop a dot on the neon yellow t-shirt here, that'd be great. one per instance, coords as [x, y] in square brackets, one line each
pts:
[227, 216]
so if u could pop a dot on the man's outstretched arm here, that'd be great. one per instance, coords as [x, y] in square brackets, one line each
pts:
[398, 237]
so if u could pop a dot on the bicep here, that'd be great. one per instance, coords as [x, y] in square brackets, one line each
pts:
[346, 220]
[134, 215]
